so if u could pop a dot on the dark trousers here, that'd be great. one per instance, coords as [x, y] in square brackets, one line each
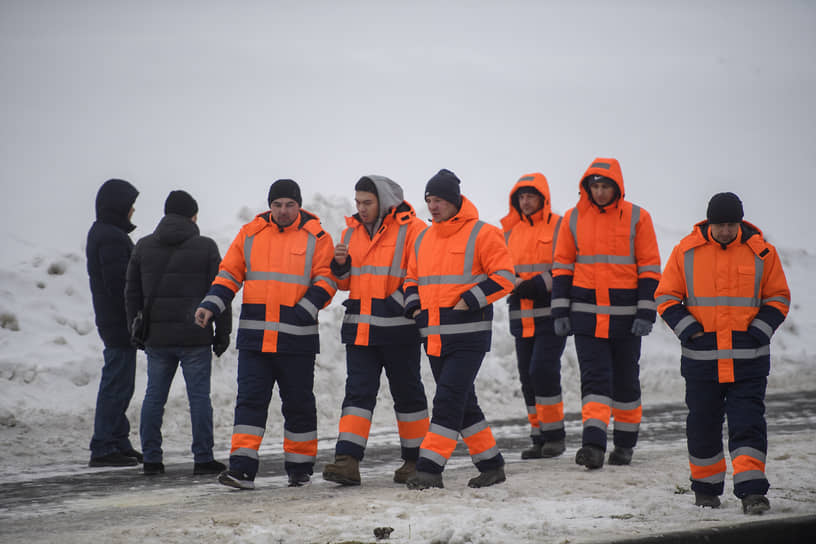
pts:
[257, 374]
[743, 403]
[539, 367]
[111, 426]
[364, 365]
[610, 374]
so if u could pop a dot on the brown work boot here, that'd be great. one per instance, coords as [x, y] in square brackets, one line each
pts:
[488, 478]
[404, 472]
[345, 470]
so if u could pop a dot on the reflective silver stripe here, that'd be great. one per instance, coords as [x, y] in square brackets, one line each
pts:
[539, 267]
[603, 310]
[706, 462]
[741, 477]
[684, 323]
[548, 280]
[256, 325]
[451, 279]
[604, 165]
[750, 452]
[783, 300]
[633, 229]
[713, 479]
[647, 305]
[359, 412]
[409, 417]
[248, 241]
[649, 268]
[740, 302]
[347, 236]
[467, 268]
[759, 268]
[433, 456]
[300, 437]
[633, 405]
[531, 410]
[479, 295]
[377, 321]
[556, 232]
[592, 422]
[715, 354]
[626, 427]
[399, 249]
[573, 227]
[562, 266]
[535, 430]
[605, 259]
[374, 270]
[535, 312]
[476, 428]
[600, 399]
[418, 242]
[507, 237]
[398, 297]
[506, 274]
[560, 303]
[245, 452]
[612, 259]
[411, 442]
[227, 276]
[308, 306]
[549, 401]
[554, 426]
[489, 453]
[764, 327]
[411, 298]
[326, 279]
[298, 457]
[462, 328]
[248, 429]
[667, 298]
[215, 300]
[443, 431]
[354, 438]
[279, 276]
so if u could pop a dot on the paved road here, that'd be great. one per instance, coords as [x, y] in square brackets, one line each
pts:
[786, 414]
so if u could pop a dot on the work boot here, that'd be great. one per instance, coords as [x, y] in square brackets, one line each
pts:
[153, 469]
[345, 470]
[299, 479]
[708, 501]
[533, 452]
[404, 472]
[135, 454]
[590, 456]
[754, 505]
[424, 480]
[116, 459]
[238, 480]
[488, 478]
[209, 467]
[620, 456]
[553, 448]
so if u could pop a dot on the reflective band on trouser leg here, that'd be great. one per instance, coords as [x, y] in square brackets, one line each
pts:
[355, 424]
[299, 447]
[480, 442]
[749, 470]
[438, 445]
[595, 413]
[708, 471]
[550, 413]
[412, 428]
[627, 415]
[532, 417]
[246, 441]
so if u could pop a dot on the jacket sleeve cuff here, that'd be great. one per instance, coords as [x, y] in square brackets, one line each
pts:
[341, 272]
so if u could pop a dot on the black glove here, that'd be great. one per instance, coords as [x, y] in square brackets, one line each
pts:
[641, 327]
[220, 345]
[527, 289]
[561, 326]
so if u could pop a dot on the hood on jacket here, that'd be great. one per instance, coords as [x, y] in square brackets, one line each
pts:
[603, 167]
[749, 234]
[173, 229]
[467, 212]
[538, 182]
[114, 200]
[389, 196]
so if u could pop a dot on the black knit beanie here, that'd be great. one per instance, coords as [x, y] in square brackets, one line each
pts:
[724, 208]
[284, 188]
[444, 185]
[181, 203]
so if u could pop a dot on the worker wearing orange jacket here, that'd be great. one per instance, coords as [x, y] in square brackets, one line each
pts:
[281, 258]
[458, 267]
[724, 293]
[605, 270]
[530, 230]
[370, 262]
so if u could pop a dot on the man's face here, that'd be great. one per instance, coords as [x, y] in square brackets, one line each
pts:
[284, 211]
[724, 233]
[130, 213]
[529, 203]
[441, 210]
[368, 207]
[603, 192]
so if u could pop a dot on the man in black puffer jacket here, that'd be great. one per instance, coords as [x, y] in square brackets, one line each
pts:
[108, 250]
[171, 271]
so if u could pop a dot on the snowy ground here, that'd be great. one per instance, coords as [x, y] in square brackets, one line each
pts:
[50, 356]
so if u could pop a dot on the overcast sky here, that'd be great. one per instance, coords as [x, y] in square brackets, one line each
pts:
[222, 98]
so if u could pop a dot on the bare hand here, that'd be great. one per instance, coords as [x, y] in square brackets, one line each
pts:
[340, 254]
[697, 334]
[461, 305]
[416, 313]
[202, 317]
[517, 281]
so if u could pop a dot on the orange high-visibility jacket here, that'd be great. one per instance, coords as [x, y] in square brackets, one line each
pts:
[606, 264]
[465, 258]
[737, 295]
[376, 305]
[286, 279]
[531, 241]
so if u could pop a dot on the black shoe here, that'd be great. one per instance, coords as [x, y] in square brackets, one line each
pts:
[488, 478]
[210, 467]
[533, 452]
[238, 480]
[115, 459]
[590, 456]
[299, 479]
[755, 505]
[424, 480]
[135, 454]
[620, 456]
[708, 501]
[151, 469]
[553, 448]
